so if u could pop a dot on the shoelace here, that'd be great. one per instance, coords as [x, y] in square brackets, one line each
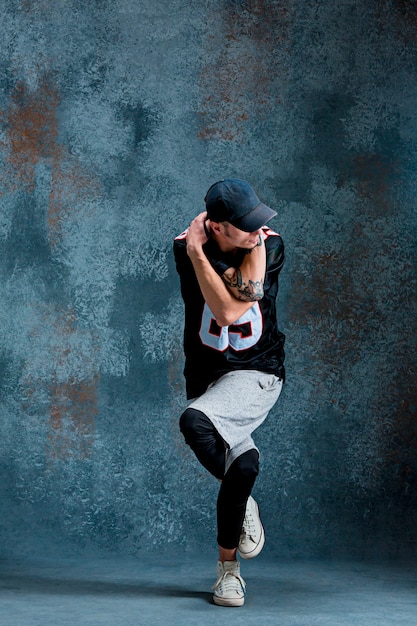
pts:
[227, 582]
[248, 527]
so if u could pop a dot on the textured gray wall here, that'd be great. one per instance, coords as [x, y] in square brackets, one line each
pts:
[115, 118]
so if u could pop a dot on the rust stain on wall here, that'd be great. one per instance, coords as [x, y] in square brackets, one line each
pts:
[333, 302]
[349, 298]
[32, 136]
[70, 186]
[240, 85]
[341, 284]
[375, 174]
[72, 398]
[73, 403]
[400, 17]
[31, 128]
[73, 410]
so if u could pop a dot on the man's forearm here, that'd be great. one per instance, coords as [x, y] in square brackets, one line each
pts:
[246, 282]
[247, 290]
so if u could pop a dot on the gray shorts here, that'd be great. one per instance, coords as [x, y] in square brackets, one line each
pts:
[236, 404]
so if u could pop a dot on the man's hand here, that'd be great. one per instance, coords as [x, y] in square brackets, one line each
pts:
[197, 236]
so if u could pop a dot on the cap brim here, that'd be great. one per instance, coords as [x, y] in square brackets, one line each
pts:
[255, 219]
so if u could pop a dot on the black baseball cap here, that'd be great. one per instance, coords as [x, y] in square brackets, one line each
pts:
[233, 200]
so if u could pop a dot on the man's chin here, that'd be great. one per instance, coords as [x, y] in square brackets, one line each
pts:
[248, 248]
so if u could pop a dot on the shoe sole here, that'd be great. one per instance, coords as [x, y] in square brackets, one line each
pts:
[257, 549]
[228, 601]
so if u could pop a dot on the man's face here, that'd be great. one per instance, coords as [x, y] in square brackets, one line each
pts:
[237, 238]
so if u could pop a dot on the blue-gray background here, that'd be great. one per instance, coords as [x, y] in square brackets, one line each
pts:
[115, 117]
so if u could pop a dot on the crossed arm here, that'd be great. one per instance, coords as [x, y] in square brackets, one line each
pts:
[246, 282]
[231, 295]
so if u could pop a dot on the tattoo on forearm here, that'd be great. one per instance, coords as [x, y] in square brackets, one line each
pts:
[252, 291]
[249, 291]
[234, 280]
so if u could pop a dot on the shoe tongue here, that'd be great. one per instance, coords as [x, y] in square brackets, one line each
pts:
[230, 566]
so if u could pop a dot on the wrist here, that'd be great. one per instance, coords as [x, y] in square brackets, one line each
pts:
[196, 253]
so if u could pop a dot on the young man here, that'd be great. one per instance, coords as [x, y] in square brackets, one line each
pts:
[228, 262]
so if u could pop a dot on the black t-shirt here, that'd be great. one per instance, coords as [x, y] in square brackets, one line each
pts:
[252, 342]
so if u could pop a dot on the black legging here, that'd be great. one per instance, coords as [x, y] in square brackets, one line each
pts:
[237, 482]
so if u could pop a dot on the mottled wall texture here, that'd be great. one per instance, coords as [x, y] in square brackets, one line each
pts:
[115, 117]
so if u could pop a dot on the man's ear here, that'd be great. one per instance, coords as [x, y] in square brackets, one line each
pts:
[215, 227]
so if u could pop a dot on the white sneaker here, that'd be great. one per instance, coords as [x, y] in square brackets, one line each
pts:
[252, 538]
[229, 588]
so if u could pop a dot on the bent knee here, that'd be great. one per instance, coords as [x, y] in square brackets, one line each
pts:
[246, 465]
[187, 421]
[191, 422]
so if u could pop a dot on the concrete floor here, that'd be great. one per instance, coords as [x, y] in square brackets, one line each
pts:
[147, 591]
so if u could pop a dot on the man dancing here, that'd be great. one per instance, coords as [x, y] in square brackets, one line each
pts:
[228, 262]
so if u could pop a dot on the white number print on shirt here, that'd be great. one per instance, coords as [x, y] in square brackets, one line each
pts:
[241, 335]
